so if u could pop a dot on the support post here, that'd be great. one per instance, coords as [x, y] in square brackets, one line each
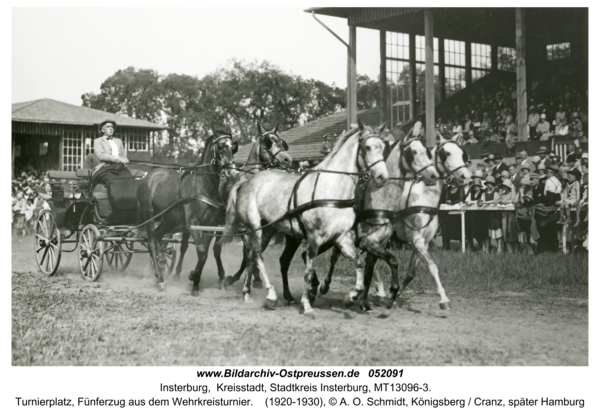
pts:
[468, 63]
[412, 75]
[521, 77]
[351, 90]
[494, 58]
[442, 75]
[429, 81]
[382, 78]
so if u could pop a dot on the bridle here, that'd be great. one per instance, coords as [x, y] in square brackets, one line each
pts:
[216, 157]
[284, 147]
[446, 172]
[403, 147]
[365, 173]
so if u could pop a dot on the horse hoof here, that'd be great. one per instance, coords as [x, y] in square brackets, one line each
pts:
[227, 281]
[309, 314]
[348, 301]
[323, 289]
[162, 286]
[385, 301]
[191, 276]
[195, 293]
[249, 300]
[257, 284]
[365, 307]
[291, 301]
[271, 304]
[444, 306]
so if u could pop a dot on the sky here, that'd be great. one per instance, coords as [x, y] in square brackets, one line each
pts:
[62, 53]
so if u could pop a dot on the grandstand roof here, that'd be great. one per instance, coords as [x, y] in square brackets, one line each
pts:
[306, 141]
[494, 26]
[46, 110]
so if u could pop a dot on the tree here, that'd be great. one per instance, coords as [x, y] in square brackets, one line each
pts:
[367, 92]
[131, 92]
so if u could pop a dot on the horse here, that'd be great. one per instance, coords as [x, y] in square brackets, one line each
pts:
[408, 159]
[317, 206]
[268, 152]
[416, 220]
[189, 198]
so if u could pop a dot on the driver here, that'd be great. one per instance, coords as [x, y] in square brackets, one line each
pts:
[111, 153]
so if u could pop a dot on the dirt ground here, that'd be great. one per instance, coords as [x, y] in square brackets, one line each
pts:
[123, 320]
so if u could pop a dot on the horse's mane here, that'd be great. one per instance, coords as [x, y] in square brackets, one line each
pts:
[336, 148]
[205, 152]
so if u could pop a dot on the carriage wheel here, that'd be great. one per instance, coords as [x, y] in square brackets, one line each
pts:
[118, 255]
[47, 243]
[170, 256]
[91, 253]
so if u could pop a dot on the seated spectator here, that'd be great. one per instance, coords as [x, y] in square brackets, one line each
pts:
[457, 131]
[561, 114]
[468, 125]
[542, 129]
[576, 127]
[553, 184]
[511, 132]
[472, 139]
[532, 122]
[562, 129]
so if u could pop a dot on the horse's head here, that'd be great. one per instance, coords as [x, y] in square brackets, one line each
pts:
[416, 158]
[371, 149]
[450, 159]
[222, 149]
[273, 150]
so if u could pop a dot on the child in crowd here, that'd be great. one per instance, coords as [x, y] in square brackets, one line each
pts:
[570, 196]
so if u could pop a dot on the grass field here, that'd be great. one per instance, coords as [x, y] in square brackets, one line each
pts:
[507, 310]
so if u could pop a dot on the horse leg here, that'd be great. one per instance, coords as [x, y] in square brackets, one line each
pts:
[369, 267]
[154, 240]
[311, 253]
[217, 253]
[202, 241]
[424, 255]
[410, 273]
[291, 245]
[375, 249]
[229, 280]
[346, 245]
[248, 265]
[257, 244]
[185, 238]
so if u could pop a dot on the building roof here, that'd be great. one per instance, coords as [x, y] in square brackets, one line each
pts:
[306, 141]
[47, 110]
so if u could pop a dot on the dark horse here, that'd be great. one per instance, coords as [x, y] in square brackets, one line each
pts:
[268, 151]
[187, 199]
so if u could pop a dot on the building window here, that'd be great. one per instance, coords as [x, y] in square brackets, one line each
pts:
[43, 149]
[72, 150]
[420, 49]
[558, 51]
[397, 46]
[137, 142]
[481, 60]
[421, 86]
[455, 80]
[454, 52]
[507, 59]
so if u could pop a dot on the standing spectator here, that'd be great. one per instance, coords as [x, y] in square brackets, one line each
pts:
[542, 129]
[523, 213]
[570, 196]
[477, 221]
[491, 196]
[498, 165]
[583, 202]
[510, 232]
[544, 159]
[452, 194]
[532, 122]
[512, 173]
[19, 210]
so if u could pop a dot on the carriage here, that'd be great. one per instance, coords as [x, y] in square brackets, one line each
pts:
[96, 223]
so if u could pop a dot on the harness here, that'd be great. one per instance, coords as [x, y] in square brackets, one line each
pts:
[296, 211]
[391, 216]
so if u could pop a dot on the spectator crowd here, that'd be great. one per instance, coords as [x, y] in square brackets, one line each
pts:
[547, 194]
[26, 203]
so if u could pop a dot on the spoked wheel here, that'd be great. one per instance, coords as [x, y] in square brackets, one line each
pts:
[118, 255]
[47, 243]
[91, 253]
[170, 256]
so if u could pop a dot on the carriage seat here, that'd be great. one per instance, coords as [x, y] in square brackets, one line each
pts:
[122, 194]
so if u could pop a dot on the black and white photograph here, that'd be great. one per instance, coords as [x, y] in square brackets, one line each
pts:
[300, 186]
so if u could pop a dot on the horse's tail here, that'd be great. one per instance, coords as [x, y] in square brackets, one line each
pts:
[231, 221]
